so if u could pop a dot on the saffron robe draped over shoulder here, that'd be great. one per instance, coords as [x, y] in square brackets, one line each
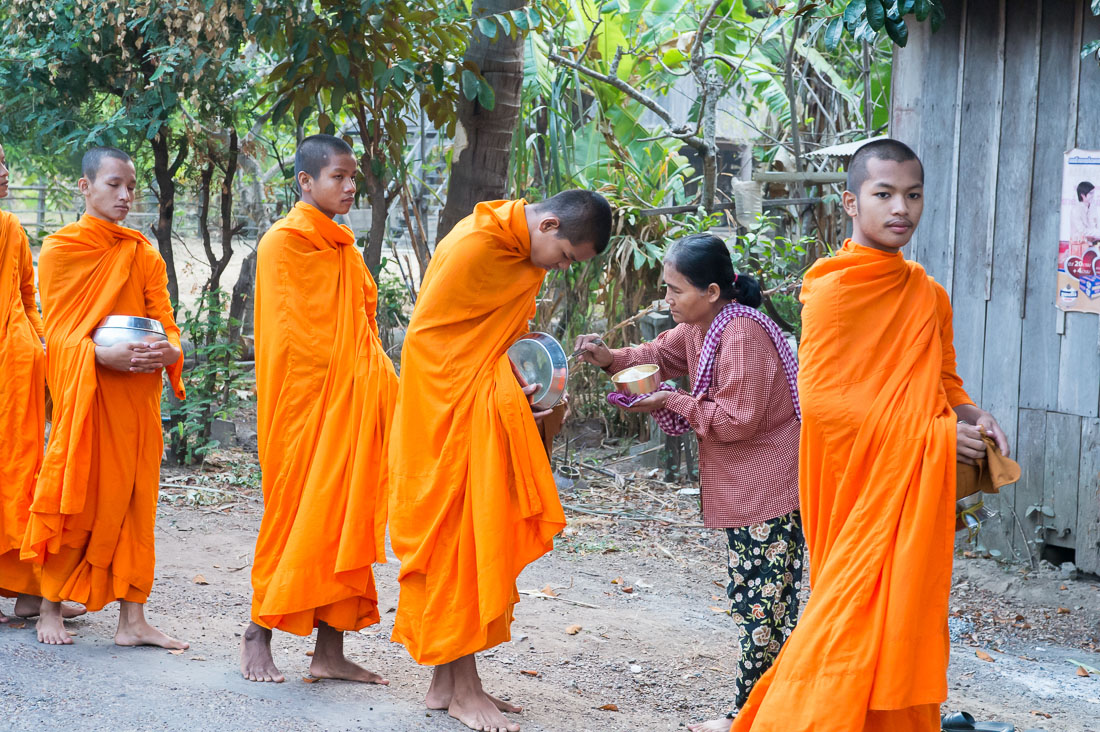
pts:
[326, 391]
[473, 500]
[877, 382]
[22, 403]
[94, 509]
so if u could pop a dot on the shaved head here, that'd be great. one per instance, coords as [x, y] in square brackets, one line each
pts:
[317, 151]
[584, 216]
[887, 149]
[93, 160]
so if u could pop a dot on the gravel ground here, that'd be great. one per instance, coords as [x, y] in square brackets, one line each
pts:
[654, 658]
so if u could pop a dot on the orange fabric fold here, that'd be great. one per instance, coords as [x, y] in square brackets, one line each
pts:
[91, 521]
[473, 500]
[22, 403]
[326, 391]
[877, 382]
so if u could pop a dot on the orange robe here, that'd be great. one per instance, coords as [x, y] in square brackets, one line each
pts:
[95, 504]
[473, 500]
[877, 383]
[326, 391]
[22, 403]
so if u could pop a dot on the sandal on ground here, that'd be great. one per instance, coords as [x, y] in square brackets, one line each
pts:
[963, 721]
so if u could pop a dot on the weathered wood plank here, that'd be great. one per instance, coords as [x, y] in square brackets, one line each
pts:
[1039, 363]
[1088, 498]
[906, 85]
[1079, 362]
[1001, 355]
[1062, 463]
[1031, 454]
[934, 242]
[979, 134]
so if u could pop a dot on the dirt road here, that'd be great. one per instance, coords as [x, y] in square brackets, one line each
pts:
[660, 654]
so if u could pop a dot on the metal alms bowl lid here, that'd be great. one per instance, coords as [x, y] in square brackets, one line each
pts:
[131, 322]
[540, 359]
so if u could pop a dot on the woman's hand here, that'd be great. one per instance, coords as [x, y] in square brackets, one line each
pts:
[651, 403]
[593, 350]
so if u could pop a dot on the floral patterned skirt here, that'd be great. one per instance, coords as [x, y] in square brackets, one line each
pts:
[765, 568]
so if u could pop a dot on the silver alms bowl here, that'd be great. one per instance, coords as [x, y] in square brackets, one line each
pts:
[116, 329]
[540, 359]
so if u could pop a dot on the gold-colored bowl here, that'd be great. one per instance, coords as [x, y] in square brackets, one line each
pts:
[643, 379]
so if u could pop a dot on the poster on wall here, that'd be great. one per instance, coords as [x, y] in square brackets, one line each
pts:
[1079, 237]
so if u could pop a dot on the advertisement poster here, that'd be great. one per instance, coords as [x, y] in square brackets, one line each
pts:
[1079, 237]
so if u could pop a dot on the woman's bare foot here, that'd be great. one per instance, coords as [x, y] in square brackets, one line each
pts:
[256, 661]
[442, 689]
[28, 606]
[469, 702]
[134, 629]
[329, 661]
[714, 725]
[51, 626]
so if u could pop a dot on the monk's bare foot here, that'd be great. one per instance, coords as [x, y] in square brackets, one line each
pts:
[51, 627]
[714, 725]
[329, 661]
[134, 629]
[442, 689]
[256, 661]
[4, 618]
[28, 606]
[469, 702]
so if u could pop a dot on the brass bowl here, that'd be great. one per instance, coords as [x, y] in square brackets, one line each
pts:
[643, 379]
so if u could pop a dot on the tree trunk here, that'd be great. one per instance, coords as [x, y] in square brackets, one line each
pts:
[480, 170]
[165, 173]
[379, 213]
[241, 306]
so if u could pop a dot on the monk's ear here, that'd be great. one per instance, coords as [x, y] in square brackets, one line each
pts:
[850, 203]
[305, 181]
[550, 223]
[83, 185]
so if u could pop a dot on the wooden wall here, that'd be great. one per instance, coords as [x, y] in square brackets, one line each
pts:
[990, 102]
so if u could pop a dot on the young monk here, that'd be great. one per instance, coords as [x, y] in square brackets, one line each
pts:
[473, 500]
[326, 391]
[94, 508]
[884, 420]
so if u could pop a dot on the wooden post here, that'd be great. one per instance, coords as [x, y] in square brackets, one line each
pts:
[40, 217]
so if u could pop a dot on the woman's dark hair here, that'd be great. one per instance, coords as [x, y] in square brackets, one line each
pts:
[1083, 189]
[704, 259]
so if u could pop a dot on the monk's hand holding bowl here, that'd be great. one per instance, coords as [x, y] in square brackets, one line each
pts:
[121, 357]
[592, 350]
[530, 390]
[969, 447]
[151, 357]
[651, 403]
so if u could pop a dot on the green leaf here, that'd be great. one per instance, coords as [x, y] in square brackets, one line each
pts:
[938, 15]
[486, 97]
[469, 84]
[898, 31]
[876, 15]
[343, 66]
[854, 12]
[833, 32]
[1096, 7]
[437, 76]
[1090, 47]
[905, 7]
[488, 27]
[921, 9]
[161, 71]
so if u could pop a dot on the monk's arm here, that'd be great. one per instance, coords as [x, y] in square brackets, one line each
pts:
[668, 351]
[744, 371]
[969, 444]
[26, 287]
[158, 306]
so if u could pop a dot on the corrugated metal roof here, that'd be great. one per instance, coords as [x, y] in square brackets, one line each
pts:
[843, 150]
